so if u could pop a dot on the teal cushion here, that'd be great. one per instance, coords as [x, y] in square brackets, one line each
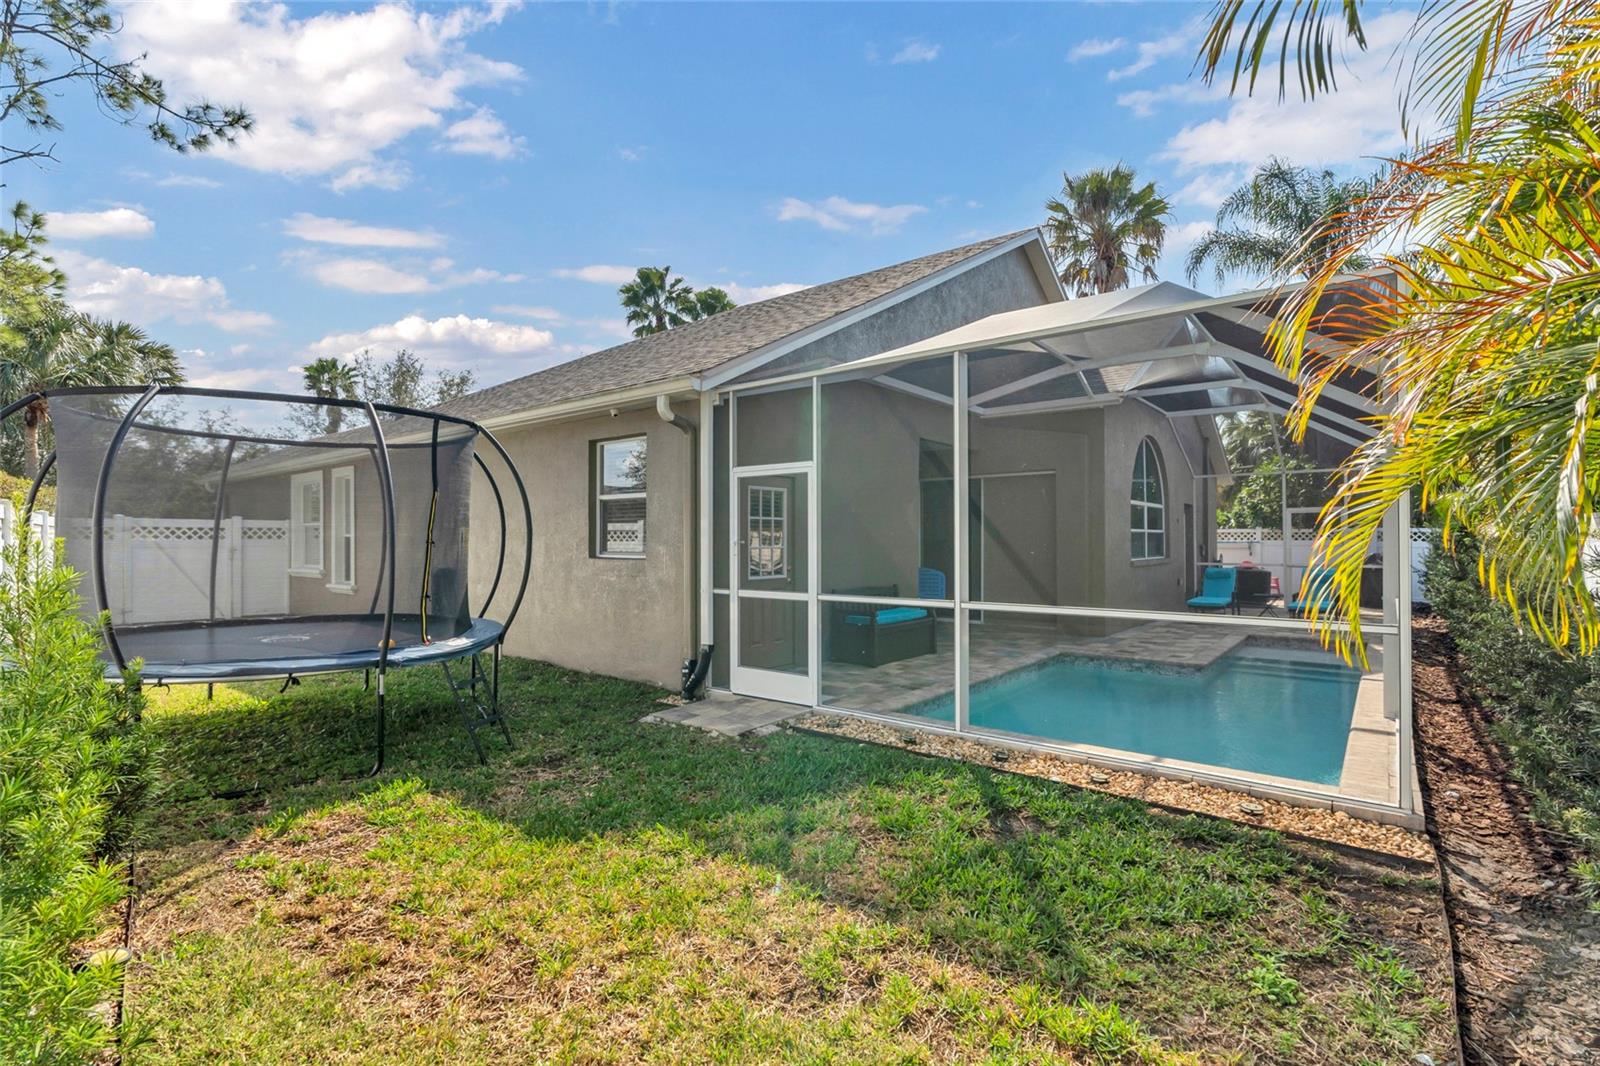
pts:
[888, 616]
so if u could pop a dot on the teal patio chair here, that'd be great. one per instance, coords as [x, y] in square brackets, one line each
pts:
[1217, 590]
[1320, 583]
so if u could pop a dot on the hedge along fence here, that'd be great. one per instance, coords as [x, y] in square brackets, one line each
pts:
[73, 770]
[1546, 704]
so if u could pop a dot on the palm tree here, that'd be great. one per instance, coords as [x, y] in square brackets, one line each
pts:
[1482, 315]
[331, 378]
[1101, 228]
[1293, 219]
[656, 301]
[63, 348]
[708, 302]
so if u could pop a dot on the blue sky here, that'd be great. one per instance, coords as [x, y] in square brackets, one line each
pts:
[472, 181]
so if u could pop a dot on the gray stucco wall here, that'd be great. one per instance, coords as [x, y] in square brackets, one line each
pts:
[625, 617]
[1150, 585]
[1004, 283]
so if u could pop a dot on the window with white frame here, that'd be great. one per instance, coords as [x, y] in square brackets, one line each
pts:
[305, 524]
[619, 498]
[343, 518]
[767, 515]
[1149, 505]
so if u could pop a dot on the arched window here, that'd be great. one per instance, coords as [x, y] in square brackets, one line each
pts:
[1149, 499]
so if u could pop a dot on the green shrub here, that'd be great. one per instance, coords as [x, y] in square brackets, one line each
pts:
[72, 765]
[13, 485]
[1546, 704]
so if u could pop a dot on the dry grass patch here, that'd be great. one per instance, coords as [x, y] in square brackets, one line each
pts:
[427, 930]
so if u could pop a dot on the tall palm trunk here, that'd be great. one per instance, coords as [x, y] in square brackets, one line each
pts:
[33, 419]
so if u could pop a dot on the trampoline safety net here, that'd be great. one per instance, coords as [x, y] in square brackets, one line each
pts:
[242, 530]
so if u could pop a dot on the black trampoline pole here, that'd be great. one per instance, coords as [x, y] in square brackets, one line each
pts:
[386, 483]
[97, 524]
[500, 506]
[527, 525]
[38, 482]
[216, 528]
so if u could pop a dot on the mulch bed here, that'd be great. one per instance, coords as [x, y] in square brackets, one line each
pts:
[1527, 946]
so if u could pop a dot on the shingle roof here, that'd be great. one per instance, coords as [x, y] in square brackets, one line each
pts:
[700, 346]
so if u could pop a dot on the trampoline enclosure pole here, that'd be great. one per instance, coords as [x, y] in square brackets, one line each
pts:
[386, 483]
[527, 527]
[500, 506]
[97, 524]
[216, 527]
[38, 482]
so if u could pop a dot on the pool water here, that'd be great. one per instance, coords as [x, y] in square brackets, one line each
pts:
[1269, 711]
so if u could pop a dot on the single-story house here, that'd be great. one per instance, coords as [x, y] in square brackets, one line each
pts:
[940, 494]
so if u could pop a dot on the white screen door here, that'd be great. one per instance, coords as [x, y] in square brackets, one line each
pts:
[774, 632]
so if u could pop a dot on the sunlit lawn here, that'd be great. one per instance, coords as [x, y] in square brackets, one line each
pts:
[614, 891]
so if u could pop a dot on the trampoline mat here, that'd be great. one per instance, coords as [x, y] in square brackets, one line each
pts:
[274, 647]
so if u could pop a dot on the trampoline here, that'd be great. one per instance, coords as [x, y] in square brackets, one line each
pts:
[227, 535]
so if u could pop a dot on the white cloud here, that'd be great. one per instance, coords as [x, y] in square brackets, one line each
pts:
[322, 230]
[1095, 47]
[368, 275]
[598, 273]
[387, 175]
[329, 91]
[1360, 119]
[455, 340]
[842, 216]
[482, 133]
[248, 378]
[188, 181]
[125, 292]
[1210, 187]
[1153, 51]
[538, 314]
[917, 52]
[1143, 102]
[87, 225]
[631, 155]
[749, 294]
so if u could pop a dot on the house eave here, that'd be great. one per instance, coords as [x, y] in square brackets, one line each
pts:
[682, 387]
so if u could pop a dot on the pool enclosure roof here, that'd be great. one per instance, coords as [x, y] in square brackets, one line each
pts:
[1182, 352]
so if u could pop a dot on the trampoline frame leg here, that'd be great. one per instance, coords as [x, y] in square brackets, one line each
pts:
[377, 766]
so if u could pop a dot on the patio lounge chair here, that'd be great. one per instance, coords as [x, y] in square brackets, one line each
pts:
[871, 634]
[1321, 585]
[1217, 590]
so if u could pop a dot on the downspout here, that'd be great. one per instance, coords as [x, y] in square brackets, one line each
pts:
[694, 669]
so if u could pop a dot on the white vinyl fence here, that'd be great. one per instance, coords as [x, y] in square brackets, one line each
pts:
[44, 527]
[1264, 547]
[159, 569]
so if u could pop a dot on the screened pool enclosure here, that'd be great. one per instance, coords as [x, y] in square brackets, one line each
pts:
[1013, 530]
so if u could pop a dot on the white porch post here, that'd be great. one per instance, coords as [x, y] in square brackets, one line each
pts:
[1399, 557]
[958, 437]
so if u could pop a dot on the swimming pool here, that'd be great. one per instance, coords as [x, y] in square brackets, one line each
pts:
[1266, 710]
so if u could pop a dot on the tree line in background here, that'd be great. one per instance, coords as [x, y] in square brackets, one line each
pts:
[402, 381]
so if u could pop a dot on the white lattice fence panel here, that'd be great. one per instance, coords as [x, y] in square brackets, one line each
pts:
[159, 569]
[1264, 547]
[262, 567]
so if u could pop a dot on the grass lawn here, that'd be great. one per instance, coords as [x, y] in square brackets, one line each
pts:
[611, 891]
